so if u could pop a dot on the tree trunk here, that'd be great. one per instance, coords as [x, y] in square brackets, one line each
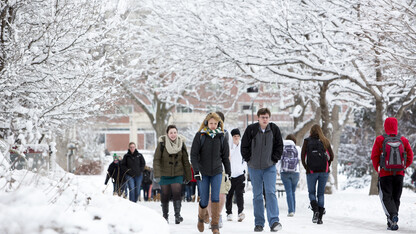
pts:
[379, 131]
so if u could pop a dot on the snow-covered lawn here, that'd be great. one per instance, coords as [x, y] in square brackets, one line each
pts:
[49, 205]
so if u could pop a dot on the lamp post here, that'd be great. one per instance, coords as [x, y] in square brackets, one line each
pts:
[252, 91]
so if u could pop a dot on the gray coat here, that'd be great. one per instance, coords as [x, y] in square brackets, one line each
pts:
[261, 149]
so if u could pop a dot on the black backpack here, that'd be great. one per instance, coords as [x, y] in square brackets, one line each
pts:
[146, 177]
[316, 156]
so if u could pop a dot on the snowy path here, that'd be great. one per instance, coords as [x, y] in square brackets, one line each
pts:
[347, 212]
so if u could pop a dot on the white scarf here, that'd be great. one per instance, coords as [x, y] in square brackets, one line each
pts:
[173, 147]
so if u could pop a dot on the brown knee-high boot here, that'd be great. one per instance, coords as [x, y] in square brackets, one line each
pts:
[215, 212]
[202, 214]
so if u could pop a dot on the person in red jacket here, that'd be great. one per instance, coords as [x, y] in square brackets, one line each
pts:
[390, 183]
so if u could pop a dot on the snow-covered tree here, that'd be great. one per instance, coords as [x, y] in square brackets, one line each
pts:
[47, 69]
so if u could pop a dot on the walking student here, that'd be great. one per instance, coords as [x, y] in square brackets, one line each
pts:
[289, 169]
[316, 158]
[171, 167]
[133, 162]
[225, 181]
[262, 147]
[209, 153]
[117, 176]
[391, 155]
[238, 169]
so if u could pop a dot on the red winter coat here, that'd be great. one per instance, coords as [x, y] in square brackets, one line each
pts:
[390, 127]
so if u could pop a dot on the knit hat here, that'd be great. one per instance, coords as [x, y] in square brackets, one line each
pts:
[115, 156]
[235, 131]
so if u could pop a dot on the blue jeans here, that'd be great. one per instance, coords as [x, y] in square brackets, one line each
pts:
[134, 184]
[203, 185]
[268, 178]
[290, 181]
[312, 179]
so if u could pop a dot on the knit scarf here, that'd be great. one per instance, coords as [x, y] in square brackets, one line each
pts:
[212, 133]
[173, 147]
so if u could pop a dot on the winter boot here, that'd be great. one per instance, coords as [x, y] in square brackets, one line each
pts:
[215, 212]
[314, 208]
[177, 207]
[321, 211]
[202, 214]
[165, 210]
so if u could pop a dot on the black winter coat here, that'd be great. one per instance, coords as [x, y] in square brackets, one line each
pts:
[116, 172]
[133, 163]
[209, 158]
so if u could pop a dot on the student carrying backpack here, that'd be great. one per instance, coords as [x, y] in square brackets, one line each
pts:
[288, 168]
[391, 155]
[316, 158]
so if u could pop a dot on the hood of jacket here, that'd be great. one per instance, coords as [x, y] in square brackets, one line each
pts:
[390, 126]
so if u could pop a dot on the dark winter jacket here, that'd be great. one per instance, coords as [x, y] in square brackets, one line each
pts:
[303, 155]
[133, 163]
[165, 164]
[116, 172]
[390, 127]
[260, 149]
[209, 158]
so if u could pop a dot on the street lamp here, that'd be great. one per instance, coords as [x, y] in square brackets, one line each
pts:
[252, 91]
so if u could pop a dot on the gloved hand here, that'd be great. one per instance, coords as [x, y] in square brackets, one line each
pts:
[156, 179]
[185, 181]
[198, 176]
[226, 177]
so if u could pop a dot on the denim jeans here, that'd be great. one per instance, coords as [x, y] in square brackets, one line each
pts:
[290, 181]
[268, 178]
[203, 185]
[190, 190]
[134, 184]
[312, 179]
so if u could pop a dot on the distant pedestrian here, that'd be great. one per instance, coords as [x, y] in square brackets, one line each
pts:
[134, 164]
[146, 182]
[289, 169]
[316, 157]
[171, 168]
[117, 176]
[238, 170]
[391, 155]
[209, 153]
[262, 147]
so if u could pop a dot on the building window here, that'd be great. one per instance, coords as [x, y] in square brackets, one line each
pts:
[124, 109]
[183, 109]
[149, 140]
[246, 108]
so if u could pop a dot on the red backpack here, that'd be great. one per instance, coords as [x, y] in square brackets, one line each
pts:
[393, 157]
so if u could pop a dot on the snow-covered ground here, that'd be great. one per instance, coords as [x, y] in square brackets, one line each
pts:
[65, 203]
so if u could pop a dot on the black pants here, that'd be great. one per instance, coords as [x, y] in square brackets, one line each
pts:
[237, 186]
[390, 191]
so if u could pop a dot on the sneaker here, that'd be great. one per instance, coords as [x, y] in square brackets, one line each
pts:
[258, 228]
[394, 225]
[291, 214]
[241, 216]
[229, 217]
[276, 227]
[220, 222]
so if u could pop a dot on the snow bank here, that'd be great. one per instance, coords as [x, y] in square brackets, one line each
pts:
[64, 203]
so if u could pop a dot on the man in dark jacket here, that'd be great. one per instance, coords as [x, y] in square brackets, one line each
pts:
[262, 147]
[118, 176]
[390, 183]
[133, 162]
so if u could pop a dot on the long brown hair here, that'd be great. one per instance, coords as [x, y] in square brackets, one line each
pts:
[316, 130]
[212, 115]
